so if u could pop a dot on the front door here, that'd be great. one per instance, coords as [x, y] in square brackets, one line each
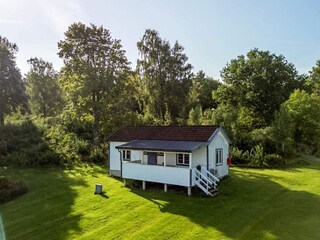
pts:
[152, 158]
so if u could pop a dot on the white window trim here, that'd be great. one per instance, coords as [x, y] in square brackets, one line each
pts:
[126, 155]
[183, 159]
[220, 162]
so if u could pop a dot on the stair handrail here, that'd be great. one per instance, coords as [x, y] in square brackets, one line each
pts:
[212, 176]
[206, 190]
[206, 183]
[203, 176]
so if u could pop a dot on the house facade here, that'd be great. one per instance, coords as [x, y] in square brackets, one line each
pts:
[172, 155]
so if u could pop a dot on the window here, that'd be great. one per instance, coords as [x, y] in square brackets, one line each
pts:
[182, 159]
[219, 156]
[126, 155]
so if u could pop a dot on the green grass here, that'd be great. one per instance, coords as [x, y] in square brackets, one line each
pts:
[253, 204]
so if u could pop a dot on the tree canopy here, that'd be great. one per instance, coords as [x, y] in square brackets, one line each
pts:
[260, 82]
[201, 91]
[165, 75]
[313, 82]
[94, 73]
[45, 97]
[12, 92]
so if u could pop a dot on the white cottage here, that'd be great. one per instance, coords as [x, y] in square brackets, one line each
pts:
[172, 155]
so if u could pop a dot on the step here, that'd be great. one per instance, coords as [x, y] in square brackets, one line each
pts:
[212, 190]
[214, 193]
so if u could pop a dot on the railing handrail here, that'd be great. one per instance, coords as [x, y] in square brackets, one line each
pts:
[204, 177]
[206, 190]
[211, 175]
[206, 183]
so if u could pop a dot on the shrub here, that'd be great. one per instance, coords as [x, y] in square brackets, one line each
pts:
[97, 156]
[10, 190]
[257, 156]
[274, 160]
[238, 156]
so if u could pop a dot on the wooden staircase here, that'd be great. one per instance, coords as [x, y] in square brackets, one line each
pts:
[207, 182]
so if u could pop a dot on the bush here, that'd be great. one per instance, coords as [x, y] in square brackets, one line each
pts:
[256, 157]
[10, 190]
[48, 141]
[238, 156]
[97, 156]
[274, 160]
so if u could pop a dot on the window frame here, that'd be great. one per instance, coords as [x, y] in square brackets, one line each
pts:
[126, 155]
[219, 156]
[185, 159]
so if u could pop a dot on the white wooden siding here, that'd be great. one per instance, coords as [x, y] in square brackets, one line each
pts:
[199, 157]
[115, 156]
[219, 142]
[153, 173]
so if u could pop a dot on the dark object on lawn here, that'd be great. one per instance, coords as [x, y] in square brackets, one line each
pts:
[10, 190]
[98, 189]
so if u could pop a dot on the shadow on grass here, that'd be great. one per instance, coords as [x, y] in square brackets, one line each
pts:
[103, 194]
[45, 212]
[250, 206]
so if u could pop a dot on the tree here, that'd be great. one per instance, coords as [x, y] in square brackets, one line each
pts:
[11, 84]
[201, 91]
[45, 97]
[304, 109]
[95, 72]
[195, 116]
[283, 130]
[260, 82]
[313, 82]
[165, 75]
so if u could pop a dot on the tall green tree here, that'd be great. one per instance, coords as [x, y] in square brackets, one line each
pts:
[11, 85]
[95, 72]
[45, 97]
[260, 82]
[195, 116]
[283, 130]
[201, 91]
[304, 109]
[313, 82]
[165, 75]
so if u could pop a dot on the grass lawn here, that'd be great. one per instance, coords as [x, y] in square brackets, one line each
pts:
[253, 204]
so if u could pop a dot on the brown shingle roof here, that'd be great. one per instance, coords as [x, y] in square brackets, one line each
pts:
[170, 133]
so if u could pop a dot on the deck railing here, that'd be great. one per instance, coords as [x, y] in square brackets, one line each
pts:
[156, 173]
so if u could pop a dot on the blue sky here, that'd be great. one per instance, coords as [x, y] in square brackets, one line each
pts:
[212, 32]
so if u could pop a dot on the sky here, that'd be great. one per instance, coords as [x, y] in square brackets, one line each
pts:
[212, 32]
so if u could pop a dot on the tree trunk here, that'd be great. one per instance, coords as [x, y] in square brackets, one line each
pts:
[282, 147]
